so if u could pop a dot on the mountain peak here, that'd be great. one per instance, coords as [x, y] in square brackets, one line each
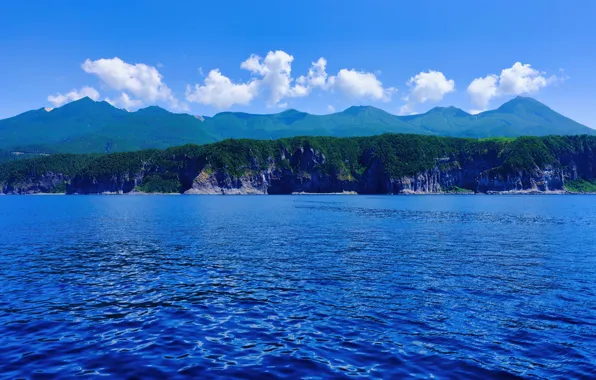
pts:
[451, 111]
[521, 102]
[291, 111]
[84, 100]
[153, 110]
[359, 110]
[88, 126]
[86, 106]
[291, 116]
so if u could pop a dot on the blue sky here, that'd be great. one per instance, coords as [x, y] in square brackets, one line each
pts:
[207, 57]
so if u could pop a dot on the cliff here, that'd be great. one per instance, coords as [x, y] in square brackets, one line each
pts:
[387, 164]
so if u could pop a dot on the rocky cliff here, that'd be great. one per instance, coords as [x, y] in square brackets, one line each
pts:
[390, 164]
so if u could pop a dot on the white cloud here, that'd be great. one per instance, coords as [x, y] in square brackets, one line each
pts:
[275, 72]
[272, 76]
[299, 91]
[219, 91]
[406, 109]
[137, 84]
[253, 63]
[521, 79]
[516, 80]
[360, 84]
[330, 108]
[59, 99]
[431, 86]
[317, 75]
[482, 90]
[142, 81]
[125, 101]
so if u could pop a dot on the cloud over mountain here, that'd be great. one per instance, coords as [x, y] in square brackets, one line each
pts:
[272, 76]
[516, 80]
[219, 91]
[271, 79]
[430, 86]
[59, 99]
[144, 82]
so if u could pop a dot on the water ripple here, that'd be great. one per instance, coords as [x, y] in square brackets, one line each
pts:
[298, 287]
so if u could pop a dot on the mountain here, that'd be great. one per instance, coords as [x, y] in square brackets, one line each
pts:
[354, 121]
[521, 116]
[86, 126]
[524, 116]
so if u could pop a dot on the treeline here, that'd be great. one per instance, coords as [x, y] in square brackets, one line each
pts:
[399, 154]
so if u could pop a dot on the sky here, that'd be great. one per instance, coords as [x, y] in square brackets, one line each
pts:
[318, 56]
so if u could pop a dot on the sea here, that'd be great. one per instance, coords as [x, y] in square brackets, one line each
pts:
[298, 287]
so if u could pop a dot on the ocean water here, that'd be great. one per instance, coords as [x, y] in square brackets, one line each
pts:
[258, 287]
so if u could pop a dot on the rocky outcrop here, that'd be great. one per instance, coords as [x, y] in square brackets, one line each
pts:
[49, 182]
[307, 170]
[221, 182]
[445, 176]
[113, 184]
[547, 179]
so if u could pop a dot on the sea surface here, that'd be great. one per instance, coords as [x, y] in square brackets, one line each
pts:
[259, 287]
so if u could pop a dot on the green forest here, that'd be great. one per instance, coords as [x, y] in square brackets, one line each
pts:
[347, 158]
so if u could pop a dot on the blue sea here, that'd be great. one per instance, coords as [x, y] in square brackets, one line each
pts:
[313, 287]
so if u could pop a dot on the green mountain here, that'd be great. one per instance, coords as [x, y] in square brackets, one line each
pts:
[86, 126]
[354, 121]
[521, 116]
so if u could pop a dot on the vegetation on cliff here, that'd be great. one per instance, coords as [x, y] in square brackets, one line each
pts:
[581, 186]
[395, 156]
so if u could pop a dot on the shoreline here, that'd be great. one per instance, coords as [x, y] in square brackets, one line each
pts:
[406, 193]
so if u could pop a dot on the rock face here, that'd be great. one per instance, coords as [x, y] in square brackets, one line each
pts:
[221, 182]
[309, 178]
[48, 182]
[305, 170]
[114, 184]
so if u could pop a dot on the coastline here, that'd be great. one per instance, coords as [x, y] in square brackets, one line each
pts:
[403, 165]
[405, 193]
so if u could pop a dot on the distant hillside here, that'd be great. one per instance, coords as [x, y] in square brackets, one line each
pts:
[86, 126]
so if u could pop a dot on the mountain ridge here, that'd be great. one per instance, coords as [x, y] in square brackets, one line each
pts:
[87, 100]
[88, 126]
